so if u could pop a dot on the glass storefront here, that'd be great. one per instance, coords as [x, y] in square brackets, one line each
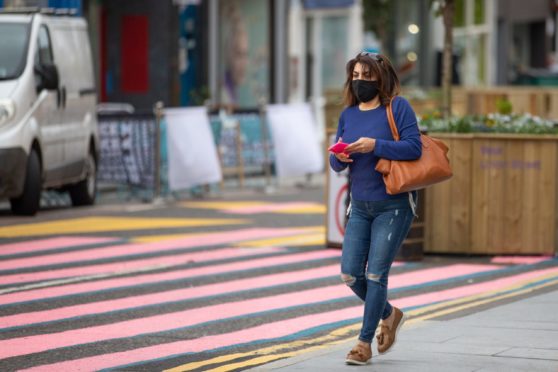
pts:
[472, 32]
[334, 52]
[407, 43]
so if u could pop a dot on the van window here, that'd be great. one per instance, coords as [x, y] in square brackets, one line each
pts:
[13, 49]
[43, 55]
[44, 49]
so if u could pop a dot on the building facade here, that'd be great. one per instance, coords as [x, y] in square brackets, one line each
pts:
[246, 52]
[496, 42]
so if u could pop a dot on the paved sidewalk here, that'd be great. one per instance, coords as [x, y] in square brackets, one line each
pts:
[519, 336]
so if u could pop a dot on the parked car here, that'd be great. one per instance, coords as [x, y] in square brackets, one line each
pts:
[48, 122]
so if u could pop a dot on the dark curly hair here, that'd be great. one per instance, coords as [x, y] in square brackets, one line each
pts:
[378, 66]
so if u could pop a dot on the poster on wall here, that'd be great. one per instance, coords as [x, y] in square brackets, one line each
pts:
[244, 52]
[192, 154]
[295, 140]
[251, 137]
[126, 149]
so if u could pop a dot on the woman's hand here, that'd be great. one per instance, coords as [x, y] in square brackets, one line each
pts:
[363, 145]
[342, 156]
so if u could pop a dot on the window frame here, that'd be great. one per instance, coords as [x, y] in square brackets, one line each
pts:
[23, 63]
[38, 51]
[470, 31]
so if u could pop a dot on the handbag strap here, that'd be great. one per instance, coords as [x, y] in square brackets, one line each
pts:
[391, 120]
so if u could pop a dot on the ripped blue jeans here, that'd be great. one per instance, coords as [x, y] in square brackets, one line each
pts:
[374, 233]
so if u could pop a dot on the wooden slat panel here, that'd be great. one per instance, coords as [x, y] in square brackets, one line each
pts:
[513, 198]
[529, 197]
[520, 102]
[513, 194]
[538, 101]
[460, 216]
[502, 199]
[546, 197]
[553, 109]
[448, 204]
[482, 169]
[436, 216]
[555, 219]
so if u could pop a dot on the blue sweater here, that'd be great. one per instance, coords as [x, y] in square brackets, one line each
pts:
[366, 183]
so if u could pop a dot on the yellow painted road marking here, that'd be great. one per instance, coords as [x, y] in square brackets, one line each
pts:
[270, 358]
[273, 357]
[159, 238]
[325, 341]
[102, 224]
[311, 209]
[480, 296]
[288, 241]
[315, 231]
[340, 332]
[223, 205]
[486, 300]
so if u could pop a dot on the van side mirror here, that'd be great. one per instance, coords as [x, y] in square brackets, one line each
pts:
[49, 76]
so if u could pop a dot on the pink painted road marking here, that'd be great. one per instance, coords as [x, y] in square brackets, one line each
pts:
[396, 281]
[266, 331]
[168, 296]
[164, 322]
[471, 289]
[437, 273]
[521, 260]
[73, 289]
[122, 250]
[249, 209]
[51, 243]
[173, 260]
[187, 318]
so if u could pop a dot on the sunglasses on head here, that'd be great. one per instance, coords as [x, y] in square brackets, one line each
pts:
[375, 56]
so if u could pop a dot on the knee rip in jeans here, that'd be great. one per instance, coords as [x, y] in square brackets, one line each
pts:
[348, 279]
[373, 277]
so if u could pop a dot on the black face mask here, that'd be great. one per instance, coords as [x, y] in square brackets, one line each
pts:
[365, 90]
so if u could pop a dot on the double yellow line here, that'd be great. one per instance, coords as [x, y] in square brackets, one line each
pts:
[347, 333]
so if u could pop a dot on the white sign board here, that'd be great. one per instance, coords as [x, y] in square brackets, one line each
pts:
[192, 153]
[295, 141]
[337, 194]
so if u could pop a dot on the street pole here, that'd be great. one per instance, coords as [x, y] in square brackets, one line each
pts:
[265, 144]
[158, 111]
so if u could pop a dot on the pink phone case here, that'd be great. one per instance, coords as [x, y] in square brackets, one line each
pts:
[338, 147]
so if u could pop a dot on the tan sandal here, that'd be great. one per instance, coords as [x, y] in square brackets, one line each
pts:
[359, 355]
[387, 336]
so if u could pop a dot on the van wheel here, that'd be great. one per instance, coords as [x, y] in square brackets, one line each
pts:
[27, 204]
[83, 192]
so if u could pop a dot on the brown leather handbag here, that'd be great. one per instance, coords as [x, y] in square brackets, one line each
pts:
[408, 175]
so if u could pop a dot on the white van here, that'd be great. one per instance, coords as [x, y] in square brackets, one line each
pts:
[48, 123]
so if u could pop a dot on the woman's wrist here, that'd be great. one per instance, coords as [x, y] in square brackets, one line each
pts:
[373, 144]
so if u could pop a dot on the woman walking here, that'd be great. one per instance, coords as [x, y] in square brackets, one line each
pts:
[378, 222]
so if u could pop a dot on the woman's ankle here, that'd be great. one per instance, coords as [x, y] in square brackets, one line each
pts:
[389, 320]
[364, 344]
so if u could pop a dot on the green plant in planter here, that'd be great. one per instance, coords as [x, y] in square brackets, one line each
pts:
[504, 106]
[491, 123]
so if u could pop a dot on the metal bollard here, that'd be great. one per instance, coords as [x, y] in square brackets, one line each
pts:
[158, 110]
[265, 142]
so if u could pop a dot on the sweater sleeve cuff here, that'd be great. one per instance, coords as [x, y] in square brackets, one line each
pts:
[337, 165]
[379, 148]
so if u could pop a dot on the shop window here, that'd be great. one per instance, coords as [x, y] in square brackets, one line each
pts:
[479, 12]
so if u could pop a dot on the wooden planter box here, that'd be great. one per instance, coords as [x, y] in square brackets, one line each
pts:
[502, 199]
